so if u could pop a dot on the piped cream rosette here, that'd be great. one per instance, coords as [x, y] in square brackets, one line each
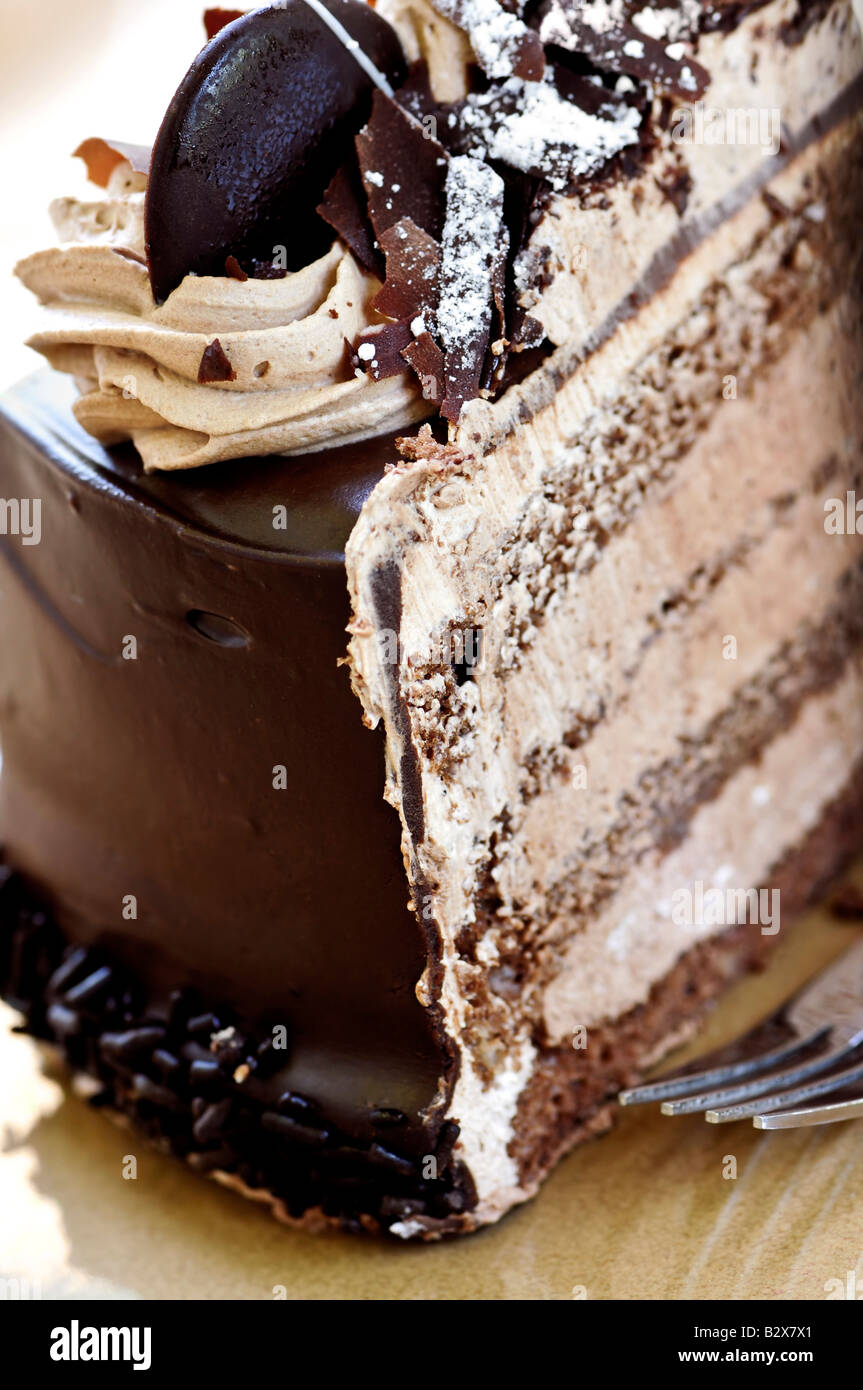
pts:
[137, 363]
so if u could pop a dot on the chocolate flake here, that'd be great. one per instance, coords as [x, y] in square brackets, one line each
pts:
[344, 208]
[403, 169]
[474, 241]
[215, 366]
[675, 187]
[412, 284]
[233, 269]
[216, 19]
[128, 254]
[378, 350]
[622, 48]
[102, 157]
[526, 331]
[503, 44]
[425, 358]
[531, 127]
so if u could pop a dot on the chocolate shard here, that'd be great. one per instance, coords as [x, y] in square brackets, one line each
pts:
[412, 286]
[128, 254]
[503, 43]
[624, 49]
[425, 358]
[254, 133]
[533, 127]
[416, 96]
[475, 241]
[525, 331]
[403, 169]
[499, 343]
[378, 350]
[345, 209]
[216, 19]
[215, 366]
[102, 157]
[233, 269]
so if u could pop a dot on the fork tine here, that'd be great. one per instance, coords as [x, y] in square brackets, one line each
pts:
[793, 1097]
[811, 1115]
[716, 1076]
[762, 1085]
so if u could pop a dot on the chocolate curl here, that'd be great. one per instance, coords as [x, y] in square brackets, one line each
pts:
[475, 240]
[403, 169]
[102, 157]
[623, 49]
[412, 286]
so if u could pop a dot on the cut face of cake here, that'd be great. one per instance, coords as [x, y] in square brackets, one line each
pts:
[439, 670]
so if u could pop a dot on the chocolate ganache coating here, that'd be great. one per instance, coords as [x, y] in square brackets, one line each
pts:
[159, 779]
[261, 122]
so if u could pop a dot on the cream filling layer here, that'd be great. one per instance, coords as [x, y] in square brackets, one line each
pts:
[441, 524]
[762, 813]
[733, 842]
[652, 688]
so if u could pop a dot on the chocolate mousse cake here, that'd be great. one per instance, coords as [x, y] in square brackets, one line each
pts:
[431, 558]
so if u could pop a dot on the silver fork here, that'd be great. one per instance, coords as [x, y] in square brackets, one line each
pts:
[782, 1087]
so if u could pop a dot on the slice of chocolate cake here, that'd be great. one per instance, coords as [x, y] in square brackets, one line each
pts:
[432, 618]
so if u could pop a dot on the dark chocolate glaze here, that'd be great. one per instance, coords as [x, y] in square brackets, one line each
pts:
[198, 1097]
[154, 776]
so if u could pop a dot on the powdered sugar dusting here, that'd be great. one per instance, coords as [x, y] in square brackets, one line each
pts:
[474, 195]
[474, 238]
[497, 36]
[671, 22]
[543, 133]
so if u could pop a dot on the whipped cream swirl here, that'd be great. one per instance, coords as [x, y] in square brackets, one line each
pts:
[137, 363]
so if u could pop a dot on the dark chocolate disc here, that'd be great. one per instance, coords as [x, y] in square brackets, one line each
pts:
[257, 128]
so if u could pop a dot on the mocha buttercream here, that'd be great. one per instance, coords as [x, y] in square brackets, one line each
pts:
[290, 388]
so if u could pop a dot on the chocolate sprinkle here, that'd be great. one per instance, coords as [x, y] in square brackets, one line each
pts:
[847, 903]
